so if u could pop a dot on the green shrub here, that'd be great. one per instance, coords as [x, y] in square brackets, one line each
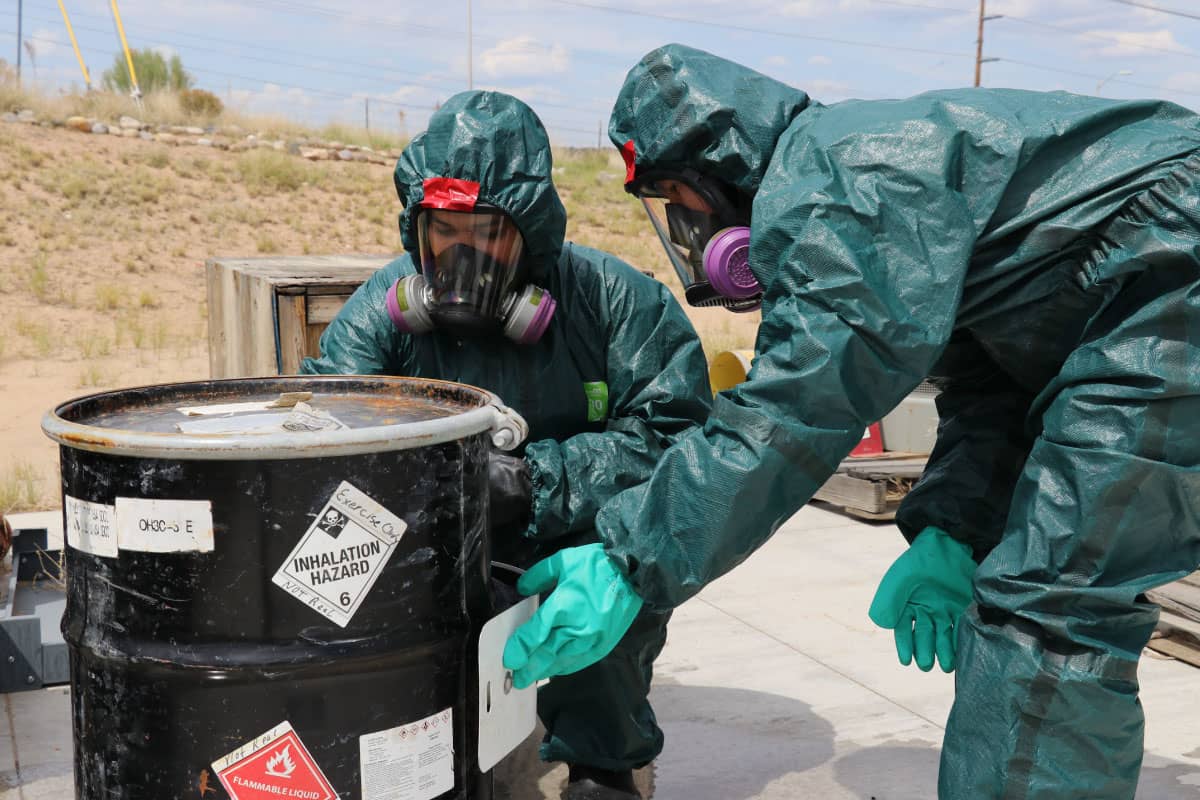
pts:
[201, 103]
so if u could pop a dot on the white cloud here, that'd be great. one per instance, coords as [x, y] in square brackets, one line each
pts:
[827, 89]
[809, 9]
[1133, 43]
[776, 61]
[820, 61]
[44, 42]
[1183, 82]
[523, 55]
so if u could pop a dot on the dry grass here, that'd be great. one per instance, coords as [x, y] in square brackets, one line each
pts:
[103, 239]
[20, 487]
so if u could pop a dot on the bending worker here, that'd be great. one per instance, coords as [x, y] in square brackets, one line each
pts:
[1038, 255]
[598, 358]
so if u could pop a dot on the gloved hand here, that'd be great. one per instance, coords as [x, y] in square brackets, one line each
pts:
[923, 595]
[510, 491]
[582, 620]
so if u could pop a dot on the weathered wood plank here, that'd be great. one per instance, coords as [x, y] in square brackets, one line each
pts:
[863, 495]
[322, 308]
[1183, 648]
[293, 343]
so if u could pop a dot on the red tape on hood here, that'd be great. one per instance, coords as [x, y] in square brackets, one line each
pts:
[451, 194]
[630, 155]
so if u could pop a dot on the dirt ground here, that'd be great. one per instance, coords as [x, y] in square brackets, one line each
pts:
[103, 242]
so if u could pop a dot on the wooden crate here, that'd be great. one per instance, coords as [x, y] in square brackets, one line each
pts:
[1179, 622]
[265, 315]
[873, 486]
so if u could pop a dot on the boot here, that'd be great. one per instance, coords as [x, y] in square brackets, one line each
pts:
[590, 783]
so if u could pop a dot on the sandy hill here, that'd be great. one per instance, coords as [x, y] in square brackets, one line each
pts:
[103, 241]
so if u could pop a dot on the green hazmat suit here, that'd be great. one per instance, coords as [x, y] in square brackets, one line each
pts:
[1037, 255]
[616, 378]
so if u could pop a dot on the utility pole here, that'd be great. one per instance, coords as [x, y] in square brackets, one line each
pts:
[20, 4]
[470, 49]
[979, 59]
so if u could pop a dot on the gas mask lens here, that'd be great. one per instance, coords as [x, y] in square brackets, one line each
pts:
[473, 279]
[471, 262]
[688, 218]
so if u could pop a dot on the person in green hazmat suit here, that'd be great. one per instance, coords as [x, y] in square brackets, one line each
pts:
[1038, 256]
[597, 357]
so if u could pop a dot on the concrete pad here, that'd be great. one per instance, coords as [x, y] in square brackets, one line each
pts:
[773, 685]
[39, 766]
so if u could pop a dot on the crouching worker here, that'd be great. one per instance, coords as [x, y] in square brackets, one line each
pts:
[598, 358]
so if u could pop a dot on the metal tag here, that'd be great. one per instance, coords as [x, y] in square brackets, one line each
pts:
[507, 715]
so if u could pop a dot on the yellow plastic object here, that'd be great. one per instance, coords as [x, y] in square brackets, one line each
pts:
[728, 369]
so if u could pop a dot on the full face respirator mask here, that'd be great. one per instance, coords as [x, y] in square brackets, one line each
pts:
[473, 279]
[707, 238]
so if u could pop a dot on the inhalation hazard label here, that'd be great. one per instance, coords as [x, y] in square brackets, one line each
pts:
[338, 558]
[274, 765]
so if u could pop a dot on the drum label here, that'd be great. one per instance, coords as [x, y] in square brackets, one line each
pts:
[91, 527]
[164, 526]
[274, 765]
[338, 558]
[409, 762]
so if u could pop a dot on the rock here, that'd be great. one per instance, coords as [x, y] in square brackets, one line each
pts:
[264, 144]
[178, 130]
[146, 136]
[335, 145]
[99, 128]
[193, 130]
[203, 142]
[314, 153]
[221, 142]
[241, 147]
[377, 158]
[113, 130]
[358, 155]
[26, 115]
[345, 155]
[81, 124]
[279, 144]
[129, 123]
[166, 138]
[8, 116]
[131, 133]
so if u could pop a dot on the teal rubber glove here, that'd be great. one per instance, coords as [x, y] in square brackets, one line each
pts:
[923, 595]
[582, 620]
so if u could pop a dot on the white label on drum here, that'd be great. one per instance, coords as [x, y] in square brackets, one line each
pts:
[164, 526]
[409, 762]
[91, 527]
[338, 558]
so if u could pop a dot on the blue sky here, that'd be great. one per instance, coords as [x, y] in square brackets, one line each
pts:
[316, 60]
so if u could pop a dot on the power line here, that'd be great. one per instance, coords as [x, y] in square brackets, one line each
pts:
[313, 90]
[1159, 9]
[1111, 38]
[257, 46]
[1048, 68]
[328, 71]
[762, 31]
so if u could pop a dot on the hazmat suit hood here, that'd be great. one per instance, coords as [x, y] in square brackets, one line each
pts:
[495, 140]
[684, 108]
